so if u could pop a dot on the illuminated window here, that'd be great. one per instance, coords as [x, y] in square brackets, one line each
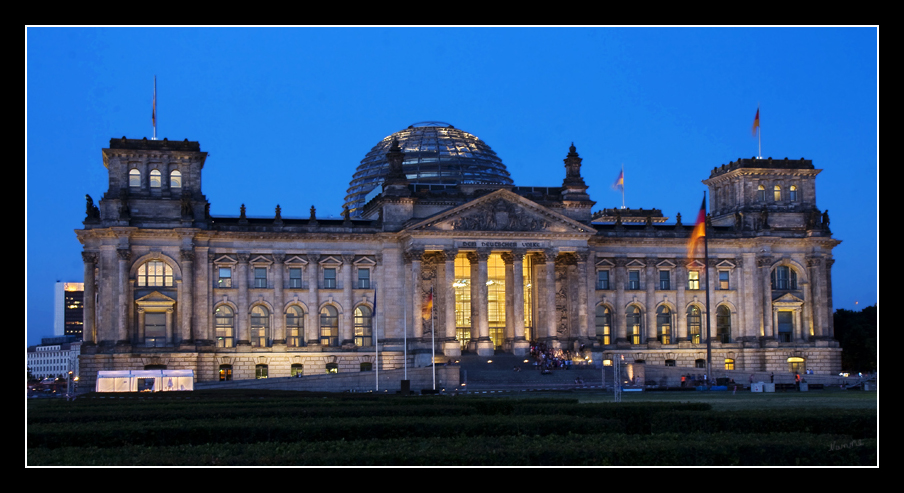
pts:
[693, 279]
[603, 325]
[296, 370]
[761, 193]
[496, 298]
[155, 179]
[729, 364]
[693, 324]
[329, 326]
[332, 367]
[294, 326]
[796, 365]
[155, 273]
[777, 193]
[792, 193]
[260, 371]
[634, 324]
[723, 279]
[462, 285]
[175, 179]
[225, 326]
[134, 178]
[664, 324]
[225, 373]
[260, 326]
[364, 324]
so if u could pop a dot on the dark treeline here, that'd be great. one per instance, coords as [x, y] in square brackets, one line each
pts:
[858, 333]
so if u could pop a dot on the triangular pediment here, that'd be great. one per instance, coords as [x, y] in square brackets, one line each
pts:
[787, 299]
[501, 211]
[155, 301]
[225, 259]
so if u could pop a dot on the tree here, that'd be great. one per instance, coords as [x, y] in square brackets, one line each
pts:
[857, 332]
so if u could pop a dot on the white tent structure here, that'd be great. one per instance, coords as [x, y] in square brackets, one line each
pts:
[145, 380]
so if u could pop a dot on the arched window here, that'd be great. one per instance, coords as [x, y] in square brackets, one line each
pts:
[784, 278]
[364, 324]
[329, 326]
[294, 326]
[175, 179]
[723, 324]
[155, 179]
[777, 193]
[225, 373]
[134, 178]
[261, 371]
[693, 324]
[792, 193]
[297, 370]
[260, 326]
[603, 325]
[729, 364]
[761, 193]
[634, 324]
[155, 273]
[664, 324]
[225, 326]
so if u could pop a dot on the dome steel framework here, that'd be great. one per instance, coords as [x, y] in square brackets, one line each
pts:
[436, 153]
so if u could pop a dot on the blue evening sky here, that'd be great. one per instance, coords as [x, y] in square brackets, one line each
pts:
[288, 113]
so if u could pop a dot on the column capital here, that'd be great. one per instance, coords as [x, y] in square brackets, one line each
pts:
[89, 257]
[187, 255]
[279, 258]
[124, 254]
[243, 257]
[508, 258]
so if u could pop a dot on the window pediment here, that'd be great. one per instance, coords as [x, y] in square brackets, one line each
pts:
[364, 262]
[636, 263]
[296, 261]
[604, 263]
[225, 260]
[666, 264]
[155, 300]
[260, 261]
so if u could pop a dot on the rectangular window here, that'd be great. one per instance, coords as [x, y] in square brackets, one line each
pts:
[785, 325]
[664, 283]
[602, 279]
[329, 278]
[363, 278]
[225, 279]
[294, 277]
[155, 329]
[260, 277]
[634, 279]
[723, 279]
[693, 279]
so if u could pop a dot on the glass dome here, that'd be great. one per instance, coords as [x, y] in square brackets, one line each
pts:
[436, 153]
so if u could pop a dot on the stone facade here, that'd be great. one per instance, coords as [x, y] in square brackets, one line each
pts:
[441, 270]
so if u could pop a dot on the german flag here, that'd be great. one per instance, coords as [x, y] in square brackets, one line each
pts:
[699, 231]
[756, 122]
[428, 306]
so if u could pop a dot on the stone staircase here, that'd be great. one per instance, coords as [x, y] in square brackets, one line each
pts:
[497, 373]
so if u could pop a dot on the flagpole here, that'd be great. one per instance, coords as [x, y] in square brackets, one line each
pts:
[709, 355]
[759, 134]
[154, 109]
[433, 337]
[623, 186]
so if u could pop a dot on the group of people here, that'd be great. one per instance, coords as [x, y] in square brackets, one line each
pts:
[547, 359]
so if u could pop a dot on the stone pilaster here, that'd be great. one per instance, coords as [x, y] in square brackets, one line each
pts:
[186, 307]
[451, 345]
[312, 328]
[124, 256]
[279, 303]
[89, 327]
[346, 328]
[243, 337]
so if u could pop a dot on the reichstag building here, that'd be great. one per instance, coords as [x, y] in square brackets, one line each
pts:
[439, 252]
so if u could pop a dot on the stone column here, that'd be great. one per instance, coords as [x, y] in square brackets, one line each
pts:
[539, 276]
[650, 298]
[415, 294]
[813, 305]
[169, 327]
[509, 332]
[520, 346]
[346, 329]
[584, 329]
[451, 345]
[828, 307]
[484, 343]
[475, 307]
[549, 296]
[89, 329]
[201, 300]
[243, 337]
[139, 338]
[186, 307]
[123, 335]
[279, 304]
[312, 328]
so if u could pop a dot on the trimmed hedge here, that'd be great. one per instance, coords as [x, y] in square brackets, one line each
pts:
[854, 423]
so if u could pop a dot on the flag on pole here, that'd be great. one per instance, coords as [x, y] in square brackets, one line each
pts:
[154, 106]
[756, 122]
[620, 181]
[699, 231]
[428, 306]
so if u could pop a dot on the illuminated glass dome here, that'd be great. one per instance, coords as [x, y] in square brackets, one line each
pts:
[436, 153]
